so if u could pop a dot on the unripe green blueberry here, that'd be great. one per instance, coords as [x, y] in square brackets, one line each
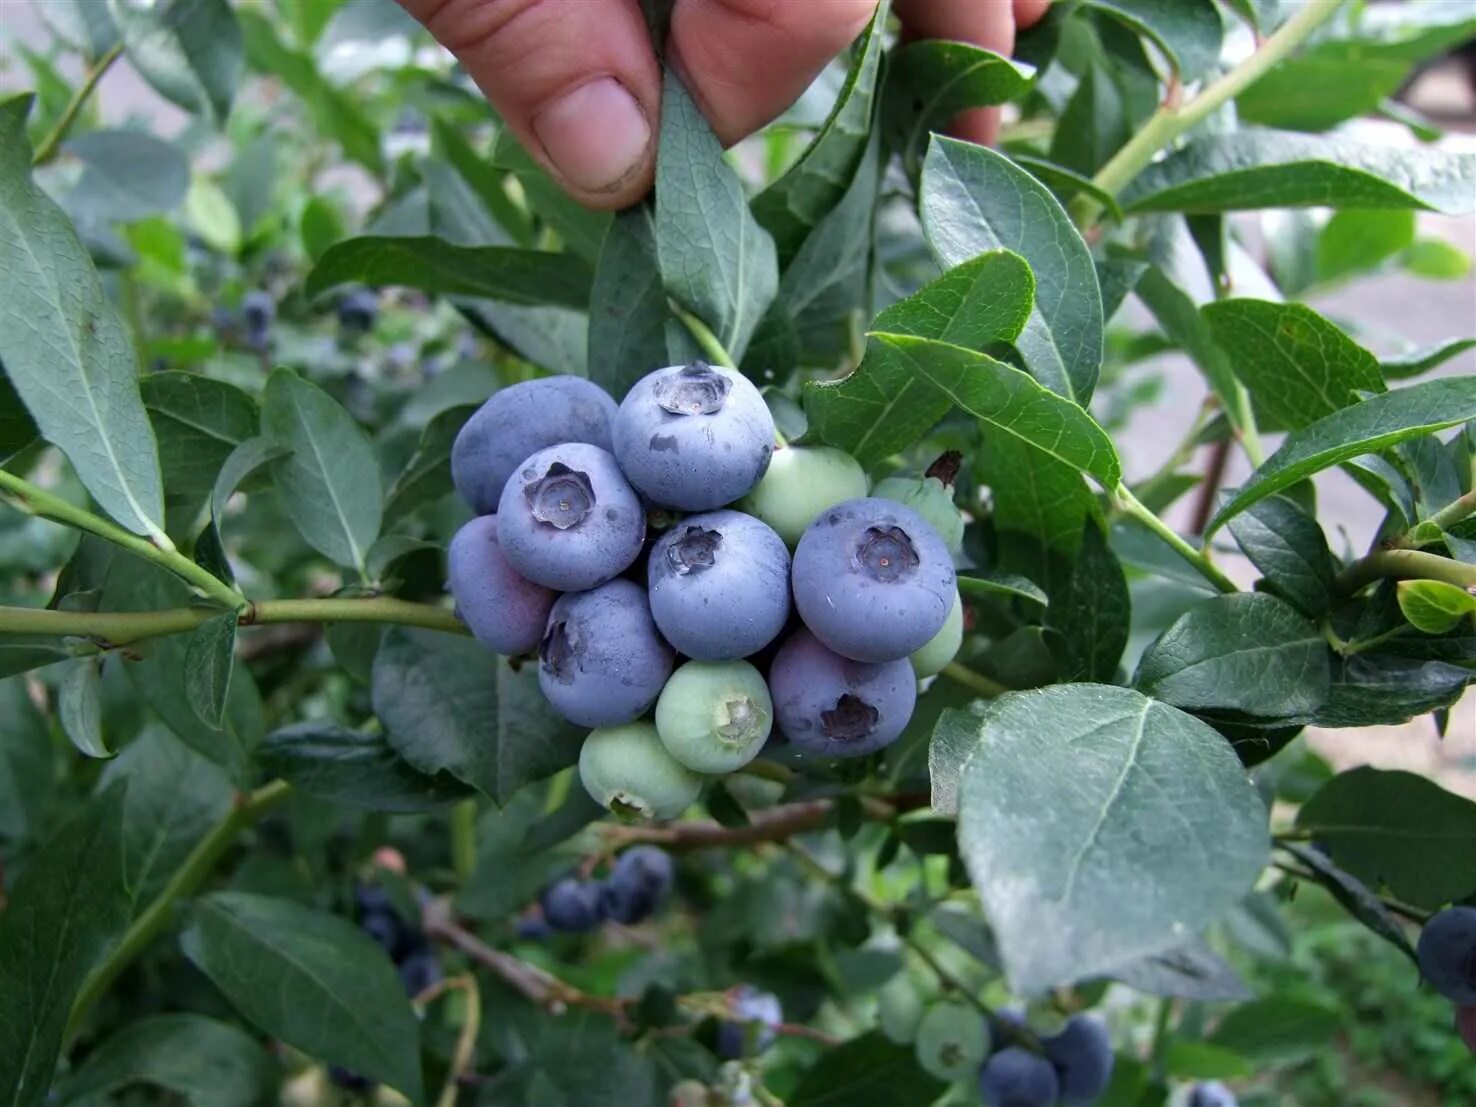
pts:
[627, 769]
[714, 716]
[952, 1041]
[943, 646]
[802, 481]
[900, 1008]
[930, 498]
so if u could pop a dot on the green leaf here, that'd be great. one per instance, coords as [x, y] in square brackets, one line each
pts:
[865, 1071]
[1280, 1028]
[190, 51]
[175, 797]
[1093, 614]
[128, 174]
[1247, 652]
[199, 423]
[210, 658]
[954, 738]
[1189, 32]
[485, 179]
[1326, 84]
[882, 407]
[1436, 260]
[354, 769]
[1424, 358]
[1358, 241]
[973, 200]
[1258, 169]
[1009, 585]
[1202, 1061]
[1189, 971]
[213, 217]
[1354, 895]
[794, 204]
[1062, 871]
[83, 24]
[1434, 606]
[1093, 126]
[206, 1062]
[330, 481]
[434, 265]
[1009, 402]
[1397, 830]
[1040, 508]
[1371, 689]
[1297, 365]
[580, 228]
[27, 769]
[574, 1060]
[63, 915]
[321, 227]
[1066, 183]
[449, 706]
[78, 710]
[931, 81]
[64, 347]
[1290, 550]
[714, 257]
[311, 979]
[427, 475]
[627, 305]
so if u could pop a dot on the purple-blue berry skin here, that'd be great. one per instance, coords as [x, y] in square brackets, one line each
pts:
[521, 420]
[719, 585]
[1447, 953]
[1015, 1077]
[749, 1005]
[872, 580]
[1212, 1093]
[1082, 1054]
[602, 661]
[568, 519]
[638, 883]
[419, 971]
[506, 611]
[830, 706]
[357, 310]
[694, 436]
[572, 906]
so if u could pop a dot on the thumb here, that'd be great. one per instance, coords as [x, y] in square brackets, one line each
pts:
[576, 82]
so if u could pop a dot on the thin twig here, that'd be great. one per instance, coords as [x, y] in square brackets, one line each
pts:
[48, 146]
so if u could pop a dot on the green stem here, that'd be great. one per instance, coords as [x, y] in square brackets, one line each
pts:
[978, 682]
[1171, 120]
[464, 839]
[1453, 512]
[1160, 1043]
[26, 497]
[711, 345]
[197, 866]
[1129, 505]
[1405, 565]
[47, 148]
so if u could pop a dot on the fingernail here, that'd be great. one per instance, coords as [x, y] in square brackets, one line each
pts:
[596, 136]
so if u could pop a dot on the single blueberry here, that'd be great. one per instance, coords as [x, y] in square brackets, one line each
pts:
[694, 436]
[627, 770]
[1211, 1093]
[418, 971]
[873, 581]
[506, 611]
[371, 897]
[715, 716]
[521, 420]
[1447, 953]
[1082, 1054]
[571, 905]
[952, 1040]
[831, 706]
[357, 311]
[942, 647]
[349, 1081]
[385, 928]
[1015, 1077]
[258, 312]
[755, 1014]
[602, 662]
[719, 585]
[568, 520]
[802, 481]
[636, 886]
[533, 927]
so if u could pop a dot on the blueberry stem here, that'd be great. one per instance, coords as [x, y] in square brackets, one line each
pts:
[978, 682]
[711, 345]
[1405, 565]
[464, 839]
[47, 148]
[1130, 505]
[465, 1052]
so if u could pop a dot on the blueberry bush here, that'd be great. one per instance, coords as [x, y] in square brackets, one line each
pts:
[460, 647]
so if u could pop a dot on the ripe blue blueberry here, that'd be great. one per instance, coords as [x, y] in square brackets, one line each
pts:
[1015, 1077]
[803, 481]
[506, 611]
[571, 905]
[873, 580]
[418, 971]
[258, 312]
[1212, 1093]
[601, 662]
[636, 886]
[831, 706]
[952, 1040]
[1447, 952]
[715, 716]
[521, 420]
[568, 520]
[349, 1080]
[627, 770]
[357, 310]
[755, 1014]
[694, 436]
[384, 928]
[1082, 1054]
[719, 585]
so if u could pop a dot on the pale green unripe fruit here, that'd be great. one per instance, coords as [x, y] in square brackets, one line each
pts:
[714, 716]
[801, 482]
[627, 770]
[943, 646]
[952, 1041]
[930, 498]
[900, 1008]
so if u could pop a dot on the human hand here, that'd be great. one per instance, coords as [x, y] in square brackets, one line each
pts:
[579, 84]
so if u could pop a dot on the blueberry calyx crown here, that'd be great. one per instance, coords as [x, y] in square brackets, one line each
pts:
[850, 720]
[558, 649]
[741, 718]
[696, 389]
[561, 498]
[886, 554]
[694, 552]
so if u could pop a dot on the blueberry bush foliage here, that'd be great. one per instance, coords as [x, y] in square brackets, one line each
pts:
[275, 826]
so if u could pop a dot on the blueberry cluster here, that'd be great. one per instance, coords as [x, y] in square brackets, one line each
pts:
[752, 1028]
[658, 642]
[1447, 955]
[639, 882]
